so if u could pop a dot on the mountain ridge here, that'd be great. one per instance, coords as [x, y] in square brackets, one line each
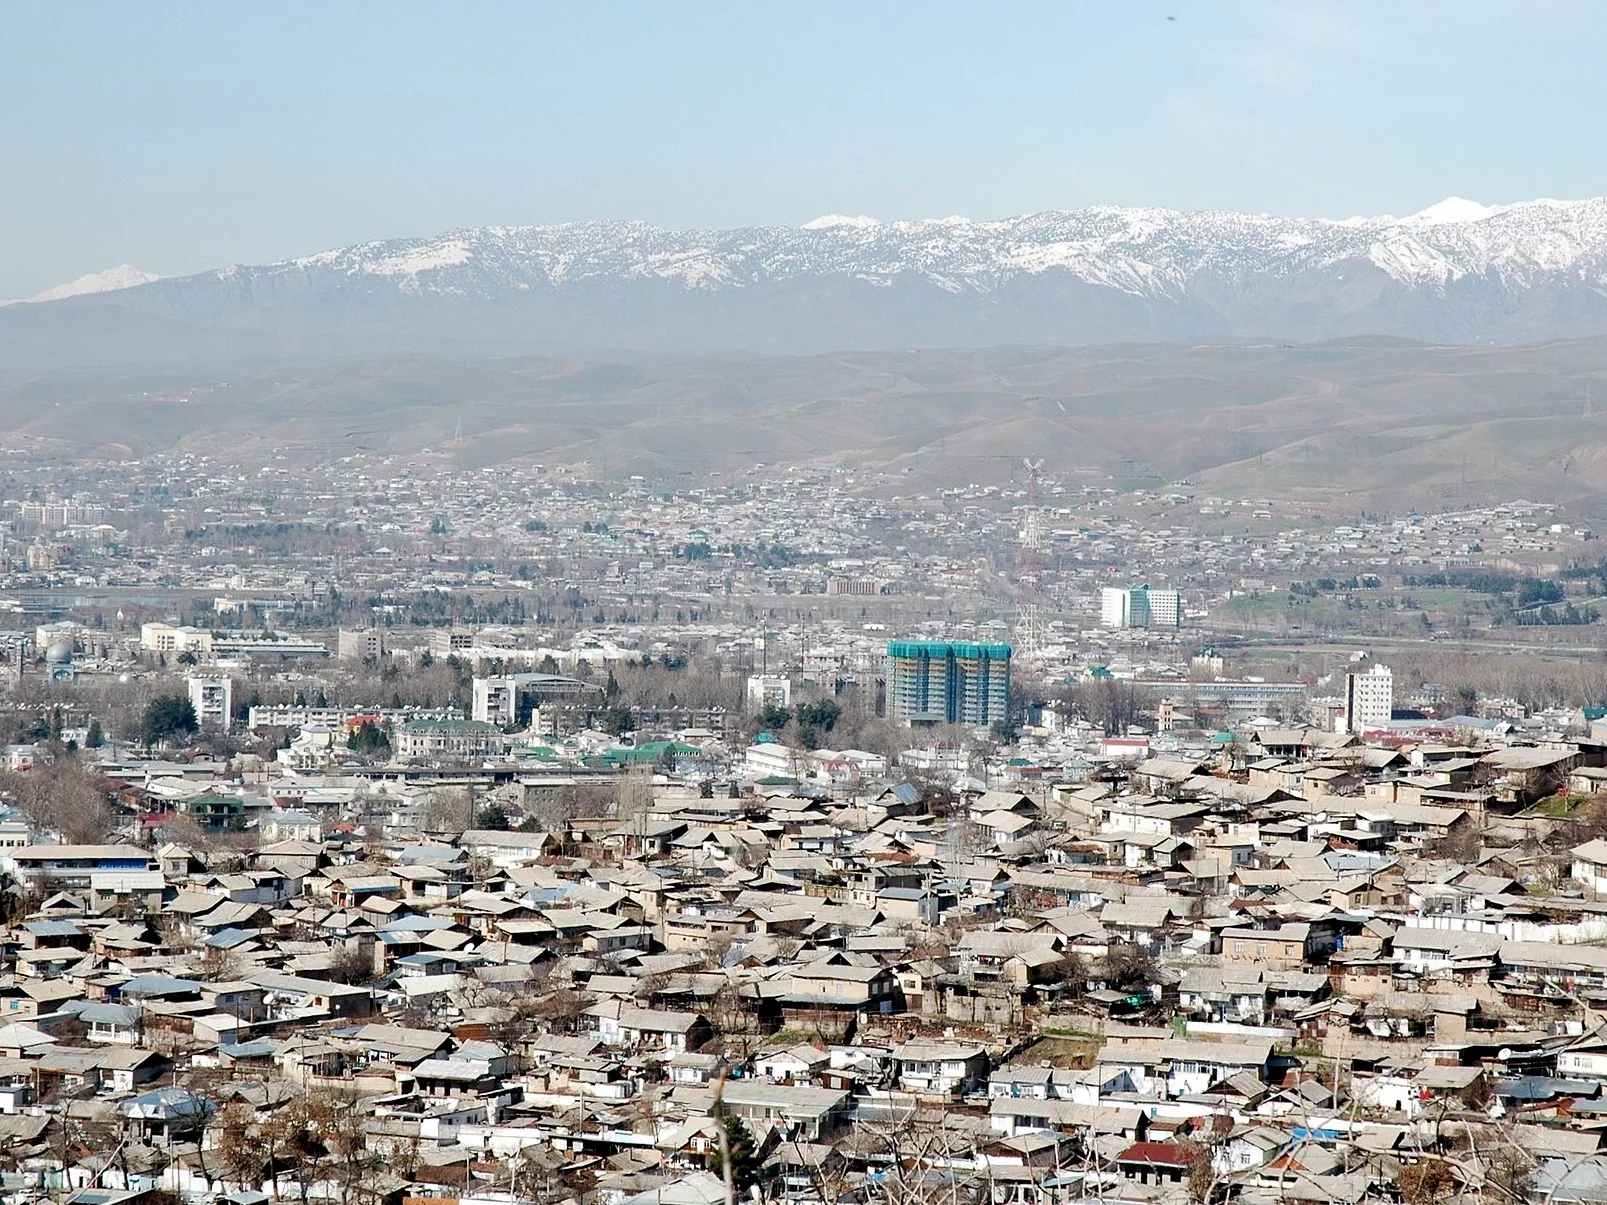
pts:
[1448, 240]
[1456, 272]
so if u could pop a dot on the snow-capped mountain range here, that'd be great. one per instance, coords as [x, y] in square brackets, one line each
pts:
[1456, 272]
[1143, 252]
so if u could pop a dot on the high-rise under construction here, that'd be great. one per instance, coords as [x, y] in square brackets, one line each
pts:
[944, 682]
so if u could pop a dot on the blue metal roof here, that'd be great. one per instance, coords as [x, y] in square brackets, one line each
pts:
[423, 958]
[158, 985]
[260, 1049]
[108, 1014]
[228, 939]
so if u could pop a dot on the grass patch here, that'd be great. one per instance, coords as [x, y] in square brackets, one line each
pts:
[1558, 807]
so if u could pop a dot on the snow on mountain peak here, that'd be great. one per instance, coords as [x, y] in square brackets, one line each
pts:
[1459, 271]
[837, 221]
[124, 276]
[1454, 209]
[1158, 254]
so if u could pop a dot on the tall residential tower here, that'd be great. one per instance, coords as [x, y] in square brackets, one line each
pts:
[938, 682]
[1369, 699]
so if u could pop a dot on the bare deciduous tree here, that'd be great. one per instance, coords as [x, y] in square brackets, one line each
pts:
[63, 795]
[449, 810]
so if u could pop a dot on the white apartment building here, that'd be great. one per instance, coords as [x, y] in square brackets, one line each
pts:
[1369, 699]
[1140, 607]
[1115, 605]
[768, 690]
[212, 699]
[515, 698]
[1165, 608]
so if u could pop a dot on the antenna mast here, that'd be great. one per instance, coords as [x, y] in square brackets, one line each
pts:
[1029, 568]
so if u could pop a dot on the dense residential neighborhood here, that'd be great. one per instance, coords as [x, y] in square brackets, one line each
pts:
[379, 827]
[1298, 965]
[380, 832]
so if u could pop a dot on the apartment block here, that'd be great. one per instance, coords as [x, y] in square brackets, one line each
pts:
[939, 682]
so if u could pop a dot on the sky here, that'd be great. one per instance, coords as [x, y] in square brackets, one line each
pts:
[180, 137]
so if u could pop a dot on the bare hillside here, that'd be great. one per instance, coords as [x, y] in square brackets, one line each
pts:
[1385, 421]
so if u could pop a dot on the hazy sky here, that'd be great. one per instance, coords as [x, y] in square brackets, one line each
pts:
[181, 137]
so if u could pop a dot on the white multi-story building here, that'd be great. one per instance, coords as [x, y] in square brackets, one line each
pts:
[1115, 607]
[1165, 608]
[772, 759]
[213, 700]
[1140, 607]
[449, 739]
[1369, 699]
[769, 690]
[172, 638]
[514, 698]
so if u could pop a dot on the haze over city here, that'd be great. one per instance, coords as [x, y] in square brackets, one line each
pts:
[923, 604]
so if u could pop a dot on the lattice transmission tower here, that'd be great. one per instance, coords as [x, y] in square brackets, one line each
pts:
[1029, 635]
